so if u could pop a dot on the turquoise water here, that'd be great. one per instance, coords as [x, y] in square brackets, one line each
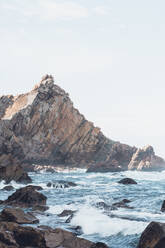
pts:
[125, 227]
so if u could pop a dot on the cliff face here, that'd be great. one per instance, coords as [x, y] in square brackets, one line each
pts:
[47, 129]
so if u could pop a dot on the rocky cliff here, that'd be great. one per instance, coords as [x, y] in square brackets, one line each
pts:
[43, 127]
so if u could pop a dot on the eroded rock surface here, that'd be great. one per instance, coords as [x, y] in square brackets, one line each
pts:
[42, 127]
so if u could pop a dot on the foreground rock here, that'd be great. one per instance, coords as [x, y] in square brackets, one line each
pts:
[17, 215]
[26, 197]
[42, 127]
[153, 236]
[127, 181]
[14, 236]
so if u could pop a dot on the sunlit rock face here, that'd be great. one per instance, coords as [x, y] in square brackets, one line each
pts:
[49, 130]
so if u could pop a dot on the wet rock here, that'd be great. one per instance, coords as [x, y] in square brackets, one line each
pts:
[77, 230]
[69, 219]
[163, 207]
[8, 188]
[66, 213]
[26, 197]
[49, 184]
[14, 236]
[122, 204]
[160, 244]
[63, 184]
[152, 236]
[104, 206]
[99, 245]
[17, 215]
[127, 181]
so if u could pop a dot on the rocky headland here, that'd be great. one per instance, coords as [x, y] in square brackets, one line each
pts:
[42, 127]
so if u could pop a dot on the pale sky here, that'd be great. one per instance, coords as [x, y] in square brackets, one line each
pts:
[108, 54]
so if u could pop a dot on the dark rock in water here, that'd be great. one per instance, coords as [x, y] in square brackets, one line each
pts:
[26, 197]
[66, 213]
[8, 188]
[77, 230]
[63, 184]
[122, 204]
[99, 245]
[49, 184]
[163, 207]
[17, 215]
[51, 170]
[40, 208]
[127, 181]
[106, 207]
[69, 219]
[153, 235]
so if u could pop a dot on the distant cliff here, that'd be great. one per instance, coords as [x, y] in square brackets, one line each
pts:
[43, 127]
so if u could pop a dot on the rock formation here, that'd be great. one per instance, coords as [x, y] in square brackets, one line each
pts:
[42, 127]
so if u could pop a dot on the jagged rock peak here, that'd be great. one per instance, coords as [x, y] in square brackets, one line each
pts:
[46, 79]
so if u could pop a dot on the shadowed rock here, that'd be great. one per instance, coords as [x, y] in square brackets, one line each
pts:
[127, 181]
[26, 197]
[17, 215]
[8, 188]
[153, 236]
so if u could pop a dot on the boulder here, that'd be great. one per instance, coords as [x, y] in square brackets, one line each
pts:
[104, 206]
[127, 181]
[122, 204]
[14, 236]
[8, 188]
[26, 197]
[66, 213]
[17, 215]
[153, 236]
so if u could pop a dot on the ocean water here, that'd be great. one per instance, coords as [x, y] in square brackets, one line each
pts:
[119, 228]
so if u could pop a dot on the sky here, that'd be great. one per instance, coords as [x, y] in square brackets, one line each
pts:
[109, 55]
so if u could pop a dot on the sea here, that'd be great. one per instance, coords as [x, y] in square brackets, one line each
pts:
[118, 228]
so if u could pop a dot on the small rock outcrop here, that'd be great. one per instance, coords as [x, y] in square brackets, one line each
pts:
[145, 159]
[153, 236]
[17, 215]
[127, 181]
[43, 128]
[26, 197]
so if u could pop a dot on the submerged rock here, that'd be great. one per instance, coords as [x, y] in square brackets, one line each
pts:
[153, 236]
[127, 181]
[17, 215]
[26, 197]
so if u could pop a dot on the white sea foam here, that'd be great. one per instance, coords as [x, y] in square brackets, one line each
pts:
[93, 221]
